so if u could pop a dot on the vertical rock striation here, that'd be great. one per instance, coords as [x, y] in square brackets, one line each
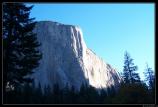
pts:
[67, 60]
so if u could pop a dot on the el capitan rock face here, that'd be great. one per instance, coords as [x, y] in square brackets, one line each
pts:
[67, 60]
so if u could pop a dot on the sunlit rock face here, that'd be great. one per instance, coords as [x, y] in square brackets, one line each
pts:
[67, 60]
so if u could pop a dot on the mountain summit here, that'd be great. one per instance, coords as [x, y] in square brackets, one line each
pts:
[67, 60]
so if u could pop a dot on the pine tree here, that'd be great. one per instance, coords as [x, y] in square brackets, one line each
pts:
[103, 96]
[129, 74]
[47, 95]
[66, 97]
[150, 77]
[92, 95]
[132, 94]
[20, 45]
[56, 93]
[82, 98]
[73, 95]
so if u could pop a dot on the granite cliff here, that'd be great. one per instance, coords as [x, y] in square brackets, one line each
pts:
[67, 60]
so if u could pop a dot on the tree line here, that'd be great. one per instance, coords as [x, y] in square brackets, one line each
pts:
[21, 55]
[131, 91]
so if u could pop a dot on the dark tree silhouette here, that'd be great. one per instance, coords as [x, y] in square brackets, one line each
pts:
[150, 79]
[20, 45]
[129, 69]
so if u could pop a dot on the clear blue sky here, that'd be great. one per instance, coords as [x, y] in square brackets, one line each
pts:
[109, 29]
